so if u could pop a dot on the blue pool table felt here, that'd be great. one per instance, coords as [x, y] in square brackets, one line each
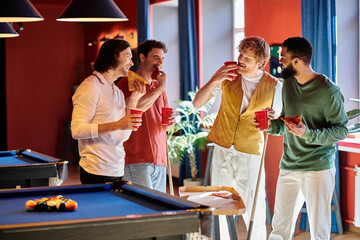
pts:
[9, 158]
[90, 205]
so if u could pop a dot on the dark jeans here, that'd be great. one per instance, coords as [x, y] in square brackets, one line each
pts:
[88, 178]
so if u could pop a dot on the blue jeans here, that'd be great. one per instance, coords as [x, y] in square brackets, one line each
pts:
[147, 175]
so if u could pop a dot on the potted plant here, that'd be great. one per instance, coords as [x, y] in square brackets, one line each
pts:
[190, 132]
[353, 114]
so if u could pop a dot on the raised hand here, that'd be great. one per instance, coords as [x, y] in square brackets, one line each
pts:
[161, 78]
[139, 87]
[224, 73]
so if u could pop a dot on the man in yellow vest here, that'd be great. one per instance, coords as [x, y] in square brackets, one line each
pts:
[238, 144]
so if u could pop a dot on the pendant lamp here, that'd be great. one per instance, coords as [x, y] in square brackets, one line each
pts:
[18, 11]
[7, 31]
[92, 11]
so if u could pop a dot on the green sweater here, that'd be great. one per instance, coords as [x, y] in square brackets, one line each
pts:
[321, 105]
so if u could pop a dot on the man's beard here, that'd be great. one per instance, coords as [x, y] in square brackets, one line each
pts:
[123, 72]
[288, 72]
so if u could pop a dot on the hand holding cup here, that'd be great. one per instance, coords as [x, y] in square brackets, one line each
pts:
[231, 71]
[165, 114]
[261, 118]
[138, 112]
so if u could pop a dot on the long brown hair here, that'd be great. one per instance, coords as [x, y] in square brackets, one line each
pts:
[108, 54]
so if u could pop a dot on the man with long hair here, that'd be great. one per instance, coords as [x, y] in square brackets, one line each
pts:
[99, 121]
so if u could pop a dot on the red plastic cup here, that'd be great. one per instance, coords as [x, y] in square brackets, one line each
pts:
[231, 63]
[136, 111]
[261, 117]
[165, 114]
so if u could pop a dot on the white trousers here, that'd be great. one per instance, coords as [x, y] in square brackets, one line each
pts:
[240, 171]
[293, 188]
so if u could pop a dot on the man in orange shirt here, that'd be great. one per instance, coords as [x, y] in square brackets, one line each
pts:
[146, 159]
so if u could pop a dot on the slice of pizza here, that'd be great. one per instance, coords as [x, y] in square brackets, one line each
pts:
[292, 120]
[134, 77]
[155, 73]
[223, 194]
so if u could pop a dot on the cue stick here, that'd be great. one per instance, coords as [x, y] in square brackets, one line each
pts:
[171, 186]
[248, 237]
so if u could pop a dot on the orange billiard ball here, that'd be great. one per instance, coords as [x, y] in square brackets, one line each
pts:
[30, 205]
[71, 205]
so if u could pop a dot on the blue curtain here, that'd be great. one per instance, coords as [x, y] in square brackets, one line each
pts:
[143, 20]
[143, 28]
[189, 72]
[318, 24]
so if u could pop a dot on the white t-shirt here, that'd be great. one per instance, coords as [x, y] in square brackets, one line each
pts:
[249, 86]
[98, 102]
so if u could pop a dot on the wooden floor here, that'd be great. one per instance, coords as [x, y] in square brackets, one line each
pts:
[300, 235]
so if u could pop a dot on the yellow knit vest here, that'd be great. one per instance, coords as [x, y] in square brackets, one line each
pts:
[231, 129]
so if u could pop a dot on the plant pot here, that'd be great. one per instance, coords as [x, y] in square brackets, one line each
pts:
[188, 182]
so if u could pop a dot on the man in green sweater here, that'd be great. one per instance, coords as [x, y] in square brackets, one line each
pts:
[307, 167]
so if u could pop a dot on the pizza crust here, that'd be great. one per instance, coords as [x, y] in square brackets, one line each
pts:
[295, 120]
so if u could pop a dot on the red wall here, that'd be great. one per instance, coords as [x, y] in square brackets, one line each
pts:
[40, 73]
[96, 31]
[274, 21]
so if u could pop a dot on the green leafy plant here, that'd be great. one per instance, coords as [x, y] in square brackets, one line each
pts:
[190, 131]
[353, 114]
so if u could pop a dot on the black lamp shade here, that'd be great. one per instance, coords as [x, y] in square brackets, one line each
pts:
[92, 11]
[18, 11]
[7, 31]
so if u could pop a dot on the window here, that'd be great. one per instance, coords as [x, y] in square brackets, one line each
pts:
[238, 25]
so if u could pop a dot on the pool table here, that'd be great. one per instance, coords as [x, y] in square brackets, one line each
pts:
[105, 211]
[26, 168]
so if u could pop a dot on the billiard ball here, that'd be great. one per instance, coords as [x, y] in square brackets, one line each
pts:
[40, 206]
[52, 198]
[71, 205]
[51, 205]
[30, 205]
[60, 205]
